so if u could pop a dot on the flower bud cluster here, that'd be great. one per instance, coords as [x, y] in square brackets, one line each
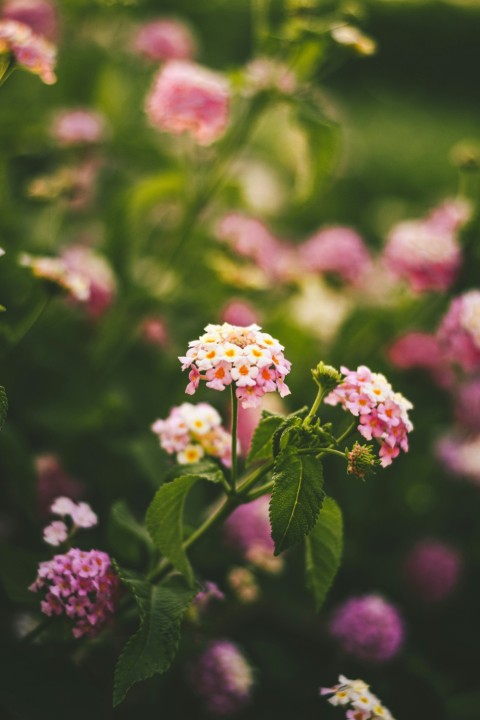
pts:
[383, 413]
[191, 431]
[250, 359]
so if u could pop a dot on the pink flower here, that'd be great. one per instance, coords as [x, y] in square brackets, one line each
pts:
[32, 52]
[56, 533]
[188, 98]
[81, 585]
[467, 405]
[432, 570]
[247, 531]
[337, 250]
[39, 15]
[154, 331]
[93, 269]
[460, 455]
[239, 312]
[248, 420]
[264, 73]
[209, 593]
[420, 350]
[62, 506]
[54, 270]
[459, 331]
[83, 515]
[80, 126]
[165, 40]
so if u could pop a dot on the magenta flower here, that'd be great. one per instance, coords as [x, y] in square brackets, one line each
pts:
[165, 40]
[223, 678]
[459, 331]
[338, 250]
[208, 595]
[250, 359]
[39, 15]
[79, 126]
[423, 351]
[382, 413]
[188, 98]
[31, 52]
[82, 586]
[369, 628]
[432, 570]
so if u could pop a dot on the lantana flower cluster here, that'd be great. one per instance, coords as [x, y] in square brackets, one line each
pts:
[31, 52]
[80, 585]
[192, 431]
[355, 696]
[80, 515]
[382, 413]
[245, 356]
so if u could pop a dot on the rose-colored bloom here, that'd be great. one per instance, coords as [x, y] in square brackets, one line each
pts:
[39, 15]
[78, 126]
[191, 431]
[382, 413]
[338, 250]
[432, 570]
[239, 312]
[460, 455]
[369, 628]
[459, 331]
[252, 360]
[53, 482]
[32, 52]
[96, 273]
[165, 40]
[154, 331]
[80, 585]
[265, 73]
[421, 350]
[83, 516]
[451, 215]
[356, 695]
[55, 533]
[223, 678]
[188, 98]
[62, 506]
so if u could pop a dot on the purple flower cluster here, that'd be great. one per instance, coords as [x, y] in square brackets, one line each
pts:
[432, 570]
[81, 585]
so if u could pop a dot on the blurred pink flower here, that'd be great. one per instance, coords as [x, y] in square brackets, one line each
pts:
[459, 331]
[239, 312]
[165, 40]
[56, 533]
[467, 405]
[336, 249]
[97, 275]
[420, 350]
[432, 570]
[79, 126]
[265, 73]
[248, 419]
[247, 530]
[40, 15]
[450, 216]
[32, 52]
[189, 98]
[460, 455]
[154, 331]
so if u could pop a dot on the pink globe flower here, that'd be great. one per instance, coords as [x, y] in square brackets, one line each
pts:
[338, 250]
[31, 52]
[40, 15]
[81, 586]
[420, 350]
[432, 570]
[165, 40]
[369, 628]
[79, 126]
[459, 331]
[189, 98]
[96, 273]
[223, 678]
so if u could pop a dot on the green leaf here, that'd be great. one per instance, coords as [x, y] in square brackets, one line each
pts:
[127, 537]
[151, 649]
[296, 498]
[204, 470]
[3, 406]
[291, 421]
[323, 551]
[164, 521]
[262, 447]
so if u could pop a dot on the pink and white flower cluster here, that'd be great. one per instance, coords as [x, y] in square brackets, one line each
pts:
[459, 332]
[355, 696]
[189, 98]
[191, 431]
[31, 52]
[337, 250]
[78, 126]
[426, 253]
[80, 515]
[80, 585]
[39, 15]
[383, 413]
[245, 356]
[165, 39]
[56, 271]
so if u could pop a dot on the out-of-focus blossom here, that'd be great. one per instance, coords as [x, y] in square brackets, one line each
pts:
[77, 184]
[369, 628]
[83, 516]
[209, 593]
[248, 420]
[426, 253]
[320, 309]
[165, 39]
[53, 482]
[460, 455]
[432, 570]
[382, 413]
[467, 405]
[421, 350]
[55, 270]
[2, 252]
[239, 312]
[31, 52]
[56, 533]
[154, 331]
[96, 273]
[356, 695]
[459, 331]
[80, 514]
[242, 582]
[40, 15]
[191, 431]
[263, 189]
[78, 126]
[80, 585]
[338, 250]
[246, 356]
[352, 37]
[247, 530]
[265, 73]
[188, 98]
[223, 678]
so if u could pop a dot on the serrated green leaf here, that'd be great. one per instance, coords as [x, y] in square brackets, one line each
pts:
[204, 470]
[291, 421]
[262, 442]
[127, 537]
[151, 649]
[296, 498]
[3, 406]
[323, 551]
[164, 521]
[122, 516]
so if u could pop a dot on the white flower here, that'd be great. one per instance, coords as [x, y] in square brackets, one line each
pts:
[83, 516]
[55, 533]
[191, 454]
[62, 506]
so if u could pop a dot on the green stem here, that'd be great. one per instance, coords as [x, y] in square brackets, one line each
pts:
[262, 490]
[253, 478]
[347, 432]
[234, 410]
[315, 406]
[331, 451]
[7, 70]
[32, 320]
[260, 22]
